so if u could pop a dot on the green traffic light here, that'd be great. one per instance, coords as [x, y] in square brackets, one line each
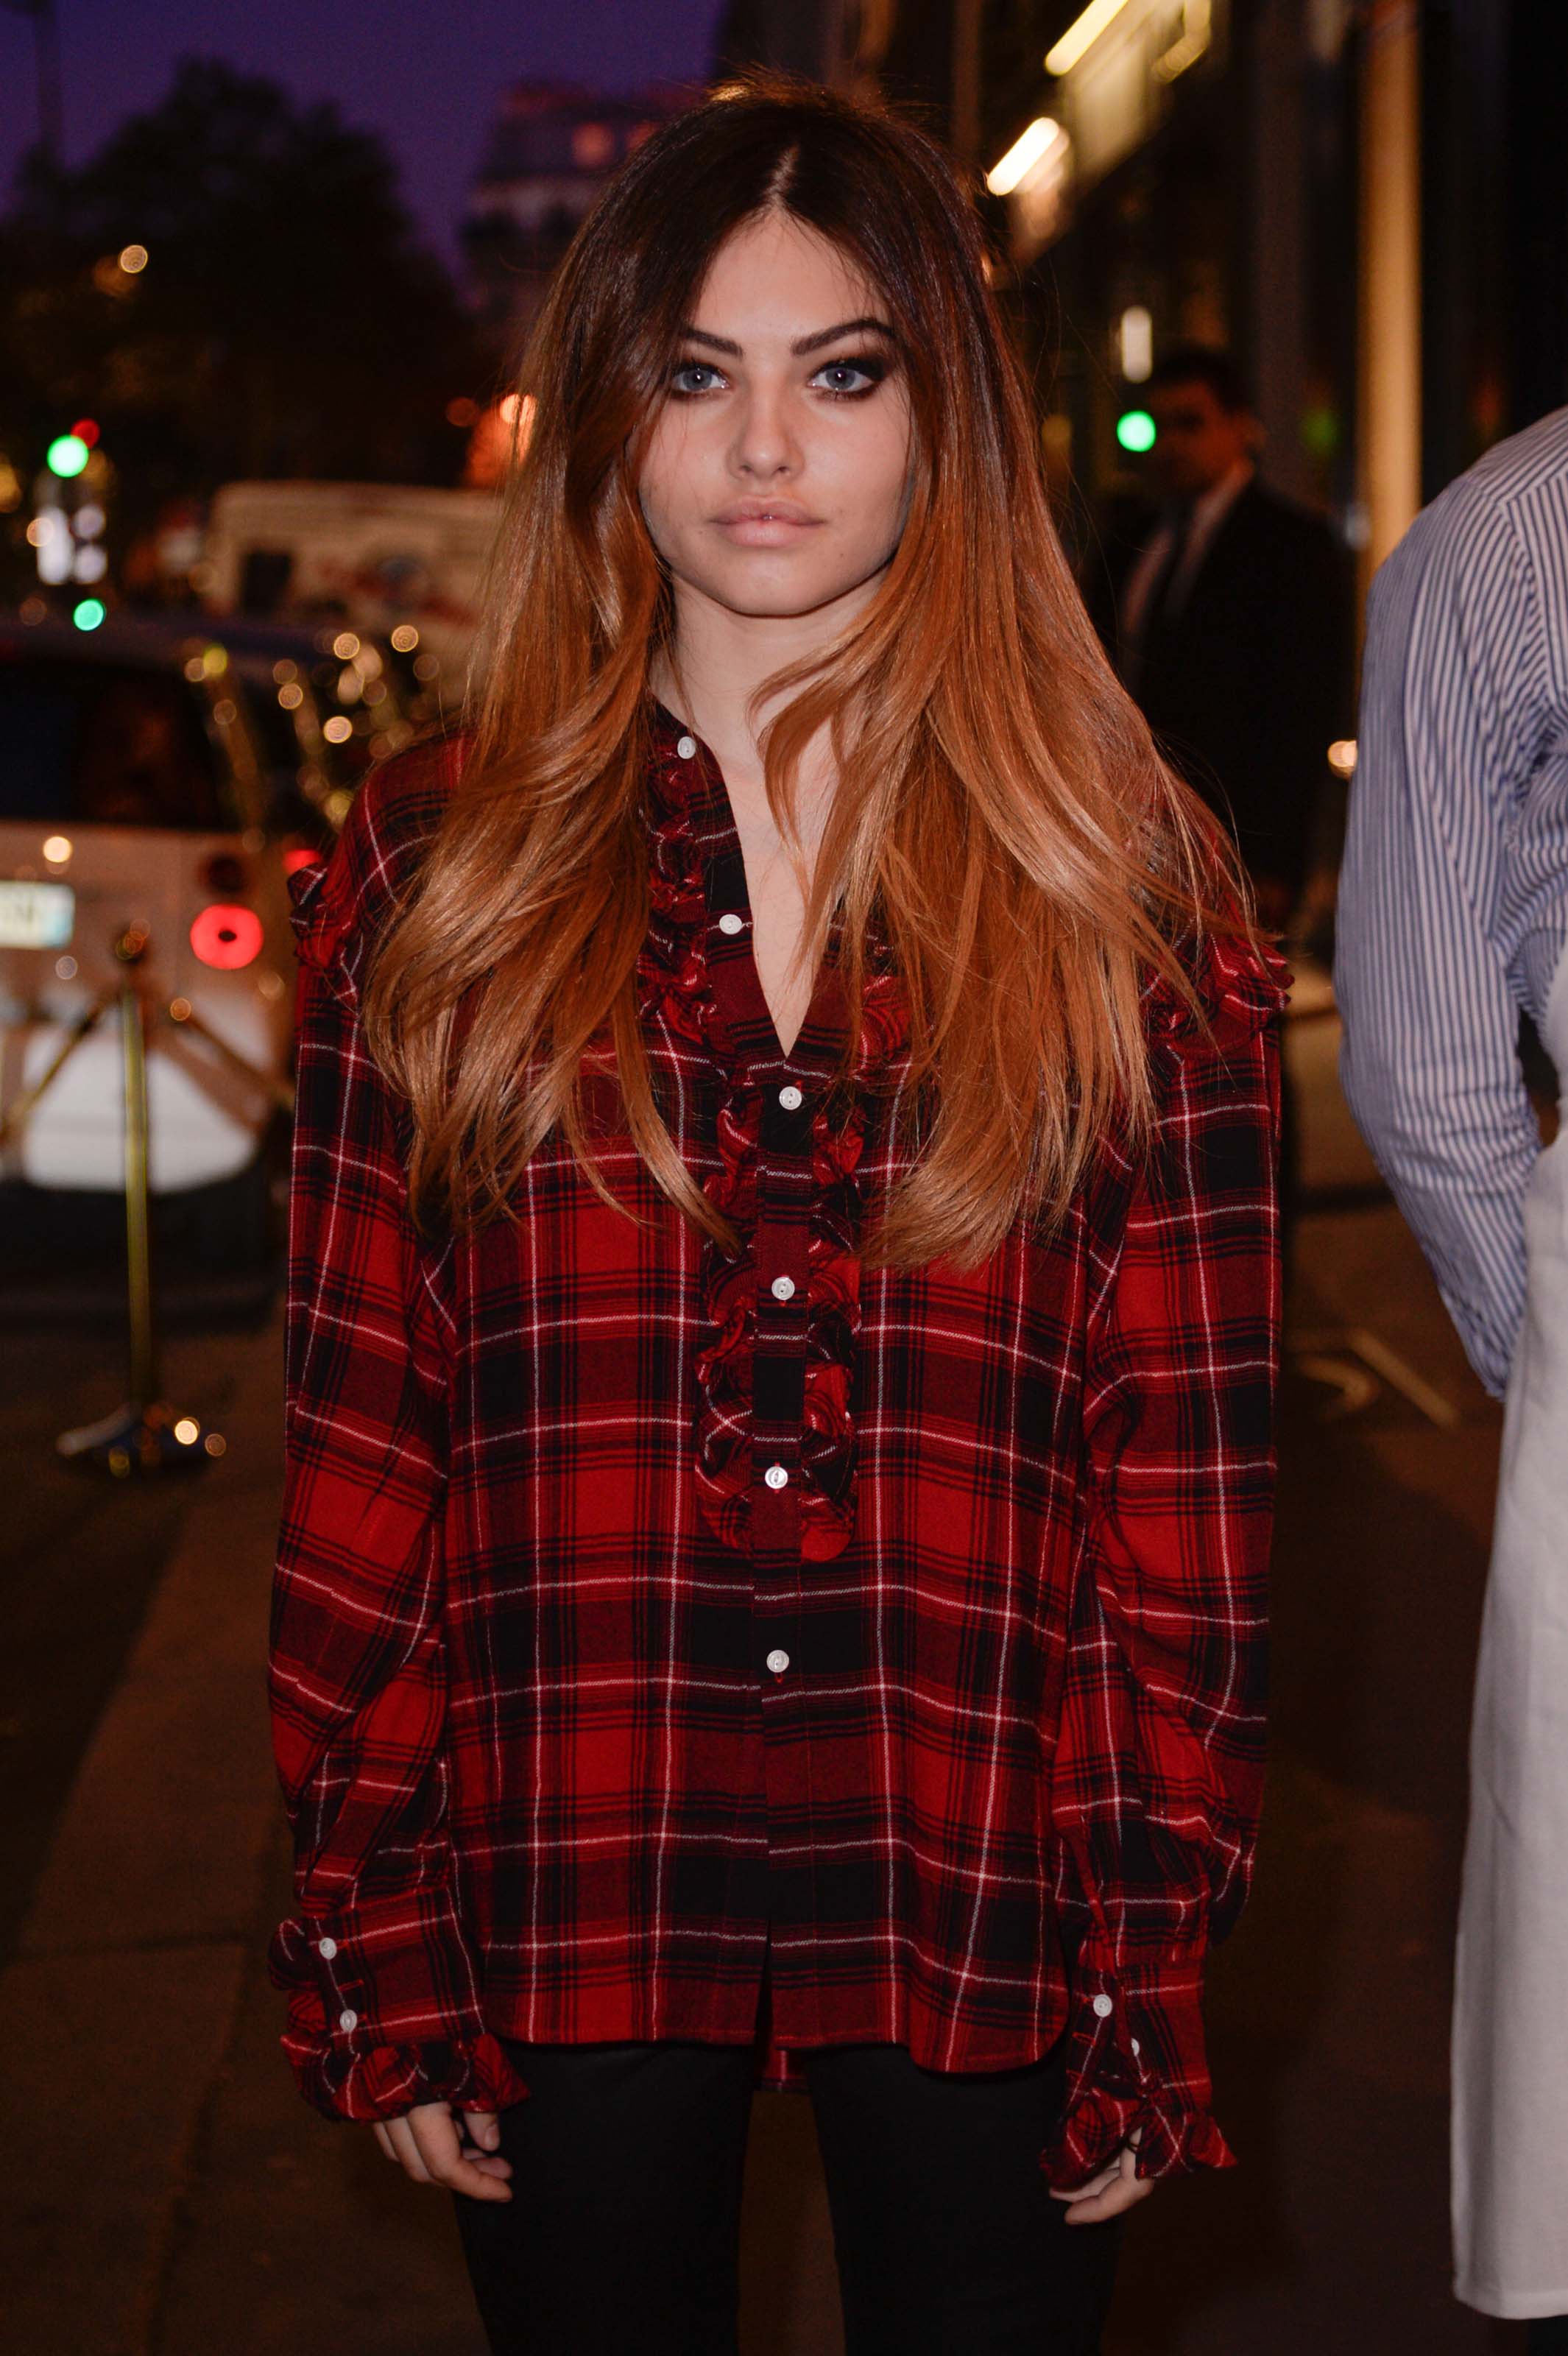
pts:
[1135, 430]
[68, 455]
[88, 613]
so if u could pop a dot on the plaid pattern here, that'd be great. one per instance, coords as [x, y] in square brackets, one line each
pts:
[639, 1610]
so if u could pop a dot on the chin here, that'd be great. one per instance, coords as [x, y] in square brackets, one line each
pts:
[779, 594]
[779, 604]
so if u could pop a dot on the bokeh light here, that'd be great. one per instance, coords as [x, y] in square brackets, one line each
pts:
[1135, 430]
[67, 455]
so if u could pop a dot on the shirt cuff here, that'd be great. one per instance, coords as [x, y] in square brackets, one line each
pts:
[1136, 2064]
[384, 2012]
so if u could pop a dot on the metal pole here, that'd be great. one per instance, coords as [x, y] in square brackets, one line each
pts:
[138, 1252]
[145, 1435]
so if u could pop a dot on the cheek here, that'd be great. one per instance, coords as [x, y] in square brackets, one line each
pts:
[667, 484]
[871, 473]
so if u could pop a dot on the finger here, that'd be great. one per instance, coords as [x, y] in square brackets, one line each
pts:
[435, 2133]
[405, 2151]
[1106, 2177]
[385, 2140]
[489, 2162]
[1124, 2194]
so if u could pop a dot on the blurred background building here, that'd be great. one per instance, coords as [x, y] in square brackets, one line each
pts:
[550, 149]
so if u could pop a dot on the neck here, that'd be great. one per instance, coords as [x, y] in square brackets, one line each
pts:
[719, 658]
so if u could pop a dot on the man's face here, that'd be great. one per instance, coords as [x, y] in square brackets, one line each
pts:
[1196, 439]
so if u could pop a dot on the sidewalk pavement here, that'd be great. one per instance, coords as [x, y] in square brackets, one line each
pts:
[164, 2190]
[120, 2008]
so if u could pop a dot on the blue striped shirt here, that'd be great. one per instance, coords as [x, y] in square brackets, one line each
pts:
[1454, 899]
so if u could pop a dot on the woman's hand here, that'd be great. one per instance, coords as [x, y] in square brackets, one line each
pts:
[1115, 2188]
[427, 2144]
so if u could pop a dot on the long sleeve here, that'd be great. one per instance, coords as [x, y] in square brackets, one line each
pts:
[1157, 1780]
[1449, 727]
[384, 2008]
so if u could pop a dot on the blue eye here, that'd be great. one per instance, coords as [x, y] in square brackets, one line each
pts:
[851, 380]
[687, 369]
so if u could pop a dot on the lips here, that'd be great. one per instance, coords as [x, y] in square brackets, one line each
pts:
[765, 523]
[764, 511]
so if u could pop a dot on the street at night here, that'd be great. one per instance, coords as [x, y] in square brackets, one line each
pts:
[897, 597]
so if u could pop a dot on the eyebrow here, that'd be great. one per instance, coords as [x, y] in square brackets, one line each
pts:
[803, 344]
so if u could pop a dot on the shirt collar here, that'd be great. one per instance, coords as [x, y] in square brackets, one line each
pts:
[1216, 503]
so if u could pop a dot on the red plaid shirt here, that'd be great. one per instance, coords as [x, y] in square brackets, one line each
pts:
[640, 1610]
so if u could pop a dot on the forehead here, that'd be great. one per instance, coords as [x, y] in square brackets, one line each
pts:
[774, 278]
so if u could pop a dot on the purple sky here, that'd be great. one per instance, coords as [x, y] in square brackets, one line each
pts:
[426, 79]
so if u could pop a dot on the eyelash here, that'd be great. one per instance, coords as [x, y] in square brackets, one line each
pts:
[867, 364]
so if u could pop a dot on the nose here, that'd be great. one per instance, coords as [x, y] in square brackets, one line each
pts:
[766, 446]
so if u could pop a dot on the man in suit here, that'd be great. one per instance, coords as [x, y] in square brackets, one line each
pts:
[1234, 625]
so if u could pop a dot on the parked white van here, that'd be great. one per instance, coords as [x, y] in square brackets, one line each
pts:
[383, 555]
[134, 791]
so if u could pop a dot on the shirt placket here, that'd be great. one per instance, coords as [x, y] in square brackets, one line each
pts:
[780, 1246]
[790, 1088]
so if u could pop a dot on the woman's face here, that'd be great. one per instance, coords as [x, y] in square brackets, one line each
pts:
[776, 476]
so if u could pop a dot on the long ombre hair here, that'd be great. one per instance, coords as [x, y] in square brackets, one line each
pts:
[1001, 814]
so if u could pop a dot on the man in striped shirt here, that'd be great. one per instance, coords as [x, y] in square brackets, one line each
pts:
[1453, 921]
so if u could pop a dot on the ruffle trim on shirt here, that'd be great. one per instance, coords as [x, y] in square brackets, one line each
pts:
[1240, 988]
[1136, 2063]
[1100, 2123]
[382, 2081]
[338, 905]
[724, 1367]
[319, 926]
[674, 988]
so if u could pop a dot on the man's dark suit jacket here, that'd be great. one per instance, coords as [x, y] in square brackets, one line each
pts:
[1249, 682]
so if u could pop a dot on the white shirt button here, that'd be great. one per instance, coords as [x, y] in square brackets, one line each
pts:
[685, 746]
[775, 1476]
[783, 1288]
[790, 1097]
[729, 922]
[778, 1663]
[1103, 2007]
[327, 1948]
[348, 2020]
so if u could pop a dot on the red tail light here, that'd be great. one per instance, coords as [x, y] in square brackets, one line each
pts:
[227, 938]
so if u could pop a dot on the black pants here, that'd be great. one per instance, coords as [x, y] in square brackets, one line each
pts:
[622, 2235]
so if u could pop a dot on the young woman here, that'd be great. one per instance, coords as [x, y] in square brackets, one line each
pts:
[781, 1323]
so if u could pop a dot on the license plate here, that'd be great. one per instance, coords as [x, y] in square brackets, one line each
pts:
[35, 916]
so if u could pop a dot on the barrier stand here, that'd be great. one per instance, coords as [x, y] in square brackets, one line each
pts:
[145, 1435]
